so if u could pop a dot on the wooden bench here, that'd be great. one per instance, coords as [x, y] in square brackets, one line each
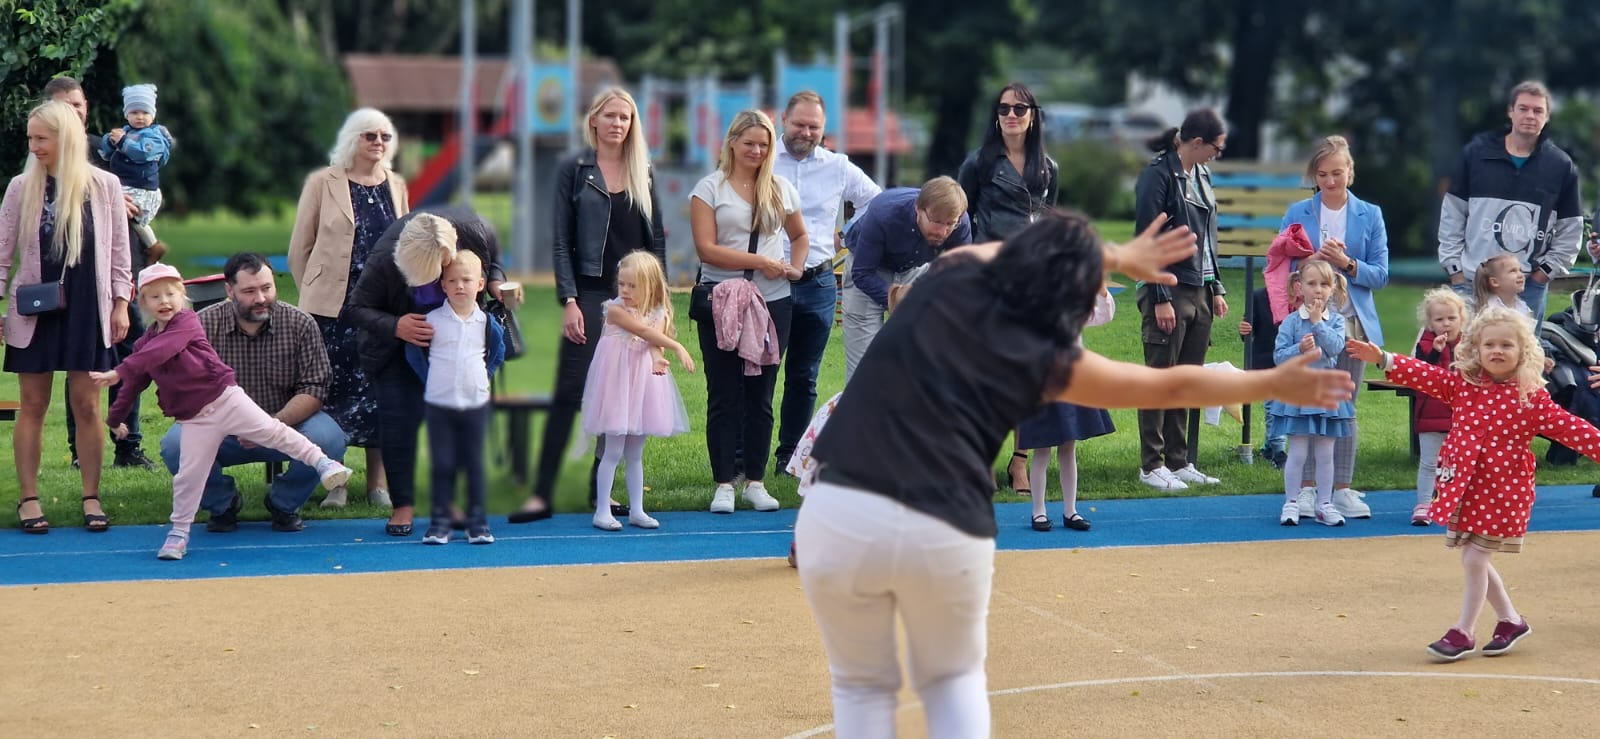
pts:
[8, 409]
[1411, 408]
[1251, 201]
[520, 410]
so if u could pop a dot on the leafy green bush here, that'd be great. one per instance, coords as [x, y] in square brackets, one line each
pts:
[1096, 178]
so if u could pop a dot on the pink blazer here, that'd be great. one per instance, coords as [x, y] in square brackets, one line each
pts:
[113, 261]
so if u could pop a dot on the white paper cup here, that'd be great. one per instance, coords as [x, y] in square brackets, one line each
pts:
[511, 294]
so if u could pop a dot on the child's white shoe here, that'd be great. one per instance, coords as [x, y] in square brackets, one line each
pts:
[607, 523]
[643, 521]
[332, 473]
[175, 547]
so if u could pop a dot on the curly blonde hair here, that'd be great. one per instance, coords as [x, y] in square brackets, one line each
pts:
[1529, 375]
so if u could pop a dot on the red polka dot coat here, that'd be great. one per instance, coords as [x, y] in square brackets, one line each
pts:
[1485, 469]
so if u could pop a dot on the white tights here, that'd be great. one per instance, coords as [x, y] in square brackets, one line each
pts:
[619, 448]
[1067, 459]
[1483, 583]
[1321, 449]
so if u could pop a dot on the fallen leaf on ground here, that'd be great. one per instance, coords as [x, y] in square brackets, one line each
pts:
[469, 672]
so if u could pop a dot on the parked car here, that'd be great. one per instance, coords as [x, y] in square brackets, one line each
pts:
[1123, 128]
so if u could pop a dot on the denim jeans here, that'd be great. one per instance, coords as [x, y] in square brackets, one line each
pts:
[289, 490]
[815, 301]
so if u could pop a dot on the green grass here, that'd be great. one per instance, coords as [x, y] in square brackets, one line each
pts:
[677, 468]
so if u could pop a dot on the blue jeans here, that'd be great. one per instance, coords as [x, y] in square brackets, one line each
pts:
[289, 491]
[815, 301]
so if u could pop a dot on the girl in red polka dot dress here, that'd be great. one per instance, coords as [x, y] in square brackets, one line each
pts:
[1485, 490]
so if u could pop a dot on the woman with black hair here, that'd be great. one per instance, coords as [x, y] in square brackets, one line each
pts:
[900, 517]
[1009, 181]
[1176, 325]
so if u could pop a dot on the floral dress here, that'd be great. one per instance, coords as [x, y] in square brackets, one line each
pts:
[351, 401]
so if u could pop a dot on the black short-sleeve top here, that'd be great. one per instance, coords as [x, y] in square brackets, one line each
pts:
[948, 377]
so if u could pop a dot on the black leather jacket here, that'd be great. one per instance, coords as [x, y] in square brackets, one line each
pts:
[999, 202]
[381, 296]
[1163, 187]
[582, 219]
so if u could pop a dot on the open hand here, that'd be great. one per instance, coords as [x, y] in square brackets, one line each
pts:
[1148, 254]
[412, 328]
[572, 323]
[1298, 384]
[105, 379]
[1366, 351]
[684, 358]
[660, 365]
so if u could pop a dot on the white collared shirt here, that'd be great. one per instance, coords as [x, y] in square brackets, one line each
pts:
[825, 179]
[458, 376]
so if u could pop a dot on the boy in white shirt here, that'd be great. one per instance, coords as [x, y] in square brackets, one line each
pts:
[467, 347]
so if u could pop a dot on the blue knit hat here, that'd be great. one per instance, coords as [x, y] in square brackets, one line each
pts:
[139, 97]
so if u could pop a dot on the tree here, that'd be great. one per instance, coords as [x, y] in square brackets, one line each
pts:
[251, 101]
[48, 39]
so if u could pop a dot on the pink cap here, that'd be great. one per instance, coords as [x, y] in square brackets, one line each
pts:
[158, 271]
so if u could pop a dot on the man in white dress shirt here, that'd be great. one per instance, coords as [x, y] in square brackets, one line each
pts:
[825, 180]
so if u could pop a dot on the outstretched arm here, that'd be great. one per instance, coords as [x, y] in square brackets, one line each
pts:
[1099, 382]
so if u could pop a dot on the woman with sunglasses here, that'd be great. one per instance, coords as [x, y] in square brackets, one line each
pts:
[1009, 181]
[343, 209]
[1176, 319]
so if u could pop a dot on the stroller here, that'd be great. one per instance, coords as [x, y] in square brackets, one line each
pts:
[1572, 339]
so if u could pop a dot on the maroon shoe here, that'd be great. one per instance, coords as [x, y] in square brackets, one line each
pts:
[1452, 646]
[1506, 634]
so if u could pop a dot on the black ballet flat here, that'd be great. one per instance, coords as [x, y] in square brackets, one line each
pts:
[1041, 522]
[1075, 522]
[397, 529]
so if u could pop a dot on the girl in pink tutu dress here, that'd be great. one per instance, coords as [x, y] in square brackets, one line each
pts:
[629, 395]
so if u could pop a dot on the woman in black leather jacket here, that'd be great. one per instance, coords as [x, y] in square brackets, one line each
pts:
[1009, 181]
[605, 208]
[1176, 320]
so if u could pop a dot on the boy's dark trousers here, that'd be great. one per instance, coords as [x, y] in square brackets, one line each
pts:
[455, 445]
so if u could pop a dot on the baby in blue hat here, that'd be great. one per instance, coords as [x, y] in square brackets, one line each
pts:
[136, 153]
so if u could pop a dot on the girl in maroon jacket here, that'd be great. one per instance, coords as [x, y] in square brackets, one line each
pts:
[1443, 314]
[195, 388]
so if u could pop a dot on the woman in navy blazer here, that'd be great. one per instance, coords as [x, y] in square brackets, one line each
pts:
[1351, 236]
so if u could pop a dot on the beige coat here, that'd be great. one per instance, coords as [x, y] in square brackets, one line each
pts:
[324, 235]
[113, 276]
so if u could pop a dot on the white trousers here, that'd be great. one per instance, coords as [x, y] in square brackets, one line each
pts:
[862, 558]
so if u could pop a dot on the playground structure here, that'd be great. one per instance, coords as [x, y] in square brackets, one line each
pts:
[544, 127]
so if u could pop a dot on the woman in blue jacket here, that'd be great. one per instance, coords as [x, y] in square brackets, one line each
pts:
[1350, 235]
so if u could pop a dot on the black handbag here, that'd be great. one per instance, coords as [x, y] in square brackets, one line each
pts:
[700, 296]
[42, 297]
[498, 310]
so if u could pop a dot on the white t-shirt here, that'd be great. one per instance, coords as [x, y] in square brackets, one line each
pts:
[1333, 224]
[733, 230]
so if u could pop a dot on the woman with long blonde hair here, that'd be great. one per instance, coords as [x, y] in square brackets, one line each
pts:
[68, 289]
[736, 214]
[605, 209]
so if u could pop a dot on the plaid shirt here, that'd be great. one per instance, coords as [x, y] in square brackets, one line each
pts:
[284, 359]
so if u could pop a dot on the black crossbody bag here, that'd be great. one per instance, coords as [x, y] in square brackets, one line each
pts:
[700, 297]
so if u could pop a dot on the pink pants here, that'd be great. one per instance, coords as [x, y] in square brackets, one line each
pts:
[232, 414]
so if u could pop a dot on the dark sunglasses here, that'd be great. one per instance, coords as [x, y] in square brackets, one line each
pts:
[1019, 110]
[372, 137]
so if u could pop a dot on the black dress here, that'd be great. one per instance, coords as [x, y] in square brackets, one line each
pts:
[68, 340]
[351, 401]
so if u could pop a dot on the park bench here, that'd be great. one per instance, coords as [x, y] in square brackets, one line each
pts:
[1251, 200]
[519, 410]
[8, 410]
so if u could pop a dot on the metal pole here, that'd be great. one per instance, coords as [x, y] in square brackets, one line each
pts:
[880, 70]
[574, 37]
[522, 182]
[841, 68]
[467, 119]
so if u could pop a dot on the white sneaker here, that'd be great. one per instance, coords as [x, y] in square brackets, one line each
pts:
[1161, 478]
[336, 497]
[1349, 503]
[332, 473]
[1327, 515]
[1307, 500]
[1195, 477]
[755, 493]
[1290, 515]
[722, 500]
